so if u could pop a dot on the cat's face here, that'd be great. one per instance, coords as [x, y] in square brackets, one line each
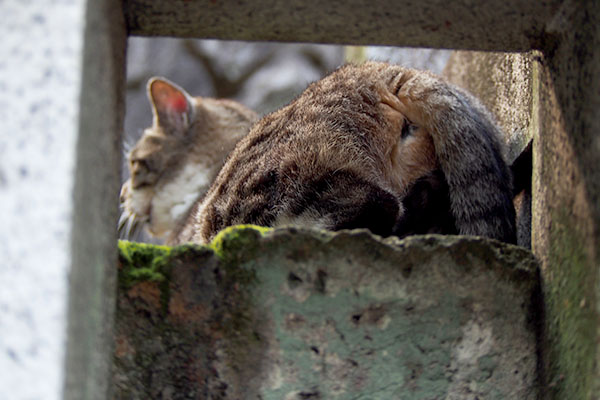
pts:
[151, 162]
[174, 162]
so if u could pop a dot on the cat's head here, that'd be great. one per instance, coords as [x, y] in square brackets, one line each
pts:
[176, 160]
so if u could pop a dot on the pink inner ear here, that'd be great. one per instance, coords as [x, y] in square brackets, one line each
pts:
[177, 103]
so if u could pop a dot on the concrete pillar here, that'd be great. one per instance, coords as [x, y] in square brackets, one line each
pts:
[566, 199]
[95, 211]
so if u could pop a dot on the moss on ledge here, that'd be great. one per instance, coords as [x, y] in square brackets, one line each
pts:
[237, 242]
[142, 262]
[290, 313]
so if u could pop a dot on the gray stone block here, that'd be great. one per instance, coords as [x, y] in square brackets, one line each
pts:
[296, 314]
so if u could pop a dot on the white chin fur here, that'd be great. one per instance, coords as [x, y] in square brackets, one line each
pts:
[172, 201]
[139, 203]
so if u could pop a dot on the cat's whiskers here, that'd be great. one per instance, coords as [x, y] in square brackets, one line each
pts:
[131, 222]
[137, 228]
[123, 219]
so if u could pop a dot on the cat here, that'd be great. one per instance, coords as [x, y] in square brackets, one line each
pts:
[378, 146]
[176, 160]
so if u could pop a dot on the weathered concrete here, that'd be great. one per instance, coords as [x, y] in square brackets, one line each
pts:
[566, 200]
[39, 89]
[508, 25]
[299, 314]
[92, 279]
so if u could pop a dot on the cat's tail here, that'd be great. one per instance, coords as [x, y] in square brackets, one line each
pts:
[467, 145]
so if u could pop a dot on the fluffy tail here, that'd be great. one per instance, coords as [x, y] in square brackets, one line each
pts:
[466, 141]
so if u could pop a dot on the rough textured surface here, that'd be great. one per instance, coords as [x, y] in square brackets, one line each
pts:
[39, 88]
[290, 314]
[505, 83]
[511, 25]
[92, 277]
[566, 200]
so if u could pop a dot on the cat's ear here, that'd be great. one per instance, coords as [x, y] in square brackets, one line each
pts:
[172, 106]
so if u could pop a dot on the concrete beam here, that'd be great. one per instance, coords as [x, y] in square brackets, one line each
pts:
[566, 201]
[509, 25]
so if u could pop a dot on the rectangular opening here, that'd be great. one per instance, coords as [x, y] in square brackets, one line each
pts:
[262, 76]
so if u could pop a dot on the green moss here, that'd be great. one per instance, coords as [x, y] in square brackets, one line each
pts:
[142, 262]
[235, 243]
[571, 321]
[236, 249]
[234, 279]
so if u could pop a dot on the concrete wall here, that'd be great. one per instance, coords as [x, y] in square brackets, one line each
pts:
[508, 25]
[39, 92]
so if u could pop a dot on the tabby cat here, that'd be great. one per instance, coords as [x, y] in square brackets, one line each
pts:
[176, 160]
[377, 146]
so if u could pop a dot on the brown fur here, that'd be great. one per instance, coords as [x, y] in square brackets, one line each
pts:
[176, 160]
[357, 144]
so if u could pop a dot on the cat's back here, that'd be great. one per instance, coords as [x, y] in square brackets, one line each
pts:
[289, 154]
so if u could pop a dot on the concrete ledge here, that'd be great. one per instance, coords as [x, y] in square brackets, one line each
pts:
[508, 25]
[92, 277]
[296, 314]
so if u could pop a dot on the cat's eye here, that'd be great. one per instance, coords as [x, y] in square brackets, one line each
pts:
[154, 140]
[407, 129]
[139, 165]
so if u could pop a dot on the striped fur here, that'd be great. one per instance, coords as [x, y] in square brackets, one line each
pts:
[367, 147]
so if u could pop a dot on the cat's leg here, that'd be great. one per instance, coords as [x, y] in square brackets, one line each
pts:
[342, 200]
